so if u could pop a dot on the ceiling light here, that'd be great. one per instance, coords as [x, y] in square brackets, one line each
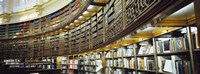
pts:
[71, 24]
[165, 31]
[126, 44]
[141, 39]
[66, 26]
[85, 13]
[91, 7]
[76, 21]
[80, 17]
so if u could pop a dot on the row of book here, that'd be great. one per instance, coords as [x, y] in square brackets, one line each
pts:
[41, 25]
[170, 64]
[175, 64]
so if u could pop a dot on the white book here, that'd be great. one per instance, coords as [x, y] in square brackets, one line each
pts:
[160, 59]
[99, 67]
[145, 63]
[123, 52]
[129, 52]
[142, 50]
[168, 66]
[151, 50]
[174, 58]
[132, 63]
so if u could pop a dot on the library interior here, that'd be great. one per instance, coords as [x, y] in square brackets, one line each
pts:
[99, 36]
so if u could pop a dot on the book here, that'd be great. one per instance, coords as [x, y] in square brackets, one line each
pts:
[195, 40]
[179, 44]
[141, 63]
[132, 63]
[159, 46]
[186, 42]
[161, 63]
[118, 71]
[179, 67]
[168, 66]
[150, 64]
[127, 62]
[151, 50]
[166, 46]
[109, 63]
[142, 50]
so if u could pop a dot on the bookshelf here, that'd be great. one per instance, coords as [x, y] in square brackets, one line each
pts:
[41, 25]
[73, 64]
[15, 30]
[83, 43]
[64, 64]
[14, 63]
[113, 15]
[2, 31]
[66, 43]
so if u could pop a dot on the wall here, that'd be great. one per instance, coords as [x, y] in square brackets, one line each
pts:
[30, 14]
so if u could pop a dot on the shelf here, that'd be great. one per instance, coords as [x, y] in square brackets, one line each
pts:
[72, 69]
[92, 59]
[90, 65]
[111, 5]
[90, 71]
[128, 56]
[98, 59]
[109, 58]
[111, 13]
[116, 57]
[164, 73]
[173, 53]
[72, 64]
[117, 67]
[197, 50]
[146, 55]
[130, 69]
[146, 71]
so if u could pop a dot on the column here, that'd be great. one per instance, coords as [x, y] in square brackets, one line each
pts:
[197, 16]
[7, 10]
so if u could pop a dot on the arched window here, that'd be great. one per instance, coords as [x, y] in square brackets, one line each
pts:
[1, 6]
[20, 5]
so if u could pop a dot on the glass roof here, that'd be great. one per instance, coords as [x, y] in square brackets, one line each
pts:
[19, 5]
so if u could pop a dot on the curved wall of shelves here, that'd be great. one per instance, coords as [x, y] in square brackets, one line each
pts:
[38, 11]
[44, 24]
[98, 29]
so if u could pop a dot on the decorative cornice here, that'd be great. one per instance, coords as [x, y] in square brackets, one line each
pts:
[6, 17]
[38, 9]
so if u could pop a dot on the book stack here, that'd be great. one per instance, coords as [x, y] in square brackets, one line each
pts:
[178, 44]
[174, 64]
[2, 31]
[129, 63]
[73, 64]
[118, 71]
[118, 7]
[145, 48]
[64, 65]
